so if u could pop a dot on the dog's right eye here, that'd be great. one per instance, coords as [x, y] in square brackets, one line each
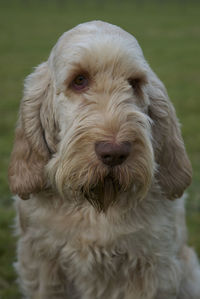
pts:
[80, 83]
[135, 84]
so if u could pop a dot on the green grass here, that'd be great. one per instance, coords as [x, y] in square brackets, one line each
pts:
[168, 32]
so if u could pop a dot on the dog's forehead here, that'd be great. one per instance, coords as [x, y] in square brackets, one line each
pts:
[90, 31]
[99, 39]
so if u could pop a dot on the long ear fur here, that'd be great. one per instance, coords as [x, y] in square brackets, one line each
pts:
[30, 152]
[174, 168]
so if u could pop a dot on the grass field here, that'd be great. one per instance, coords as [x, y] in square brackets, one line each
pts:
[169, 33]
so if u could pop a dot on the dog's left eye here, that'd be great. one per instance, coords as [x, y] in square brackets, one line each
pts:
[135, 84]
[80, 83]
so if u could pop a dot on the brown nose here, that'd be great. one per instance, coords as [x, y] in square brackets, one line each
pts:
[112, 154]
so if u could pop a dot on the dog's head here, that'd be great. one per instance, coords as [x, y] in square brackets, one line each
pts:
[95, 122]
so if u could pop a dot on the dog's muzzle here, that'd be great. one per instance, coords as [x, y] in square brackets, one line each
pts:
[107, 189]
[103, 194]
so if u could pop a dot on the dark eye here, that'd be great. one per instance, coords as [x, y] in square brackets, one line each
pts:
[80, 83]
[135, 84]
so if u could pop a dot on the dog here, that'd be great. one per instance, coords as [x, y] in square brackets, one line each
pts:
[99, 168]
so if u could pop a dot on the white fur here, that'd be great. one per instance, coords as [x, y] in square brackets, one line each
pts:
[125, 245]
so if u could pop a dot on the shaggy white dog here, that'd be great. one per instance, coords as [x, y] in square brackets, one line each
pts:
[99, 156]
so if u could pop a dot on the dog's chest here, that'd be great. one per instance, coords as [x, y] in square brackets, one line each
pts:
[98, 257]
[99, 252]
[93, 249]
[86, 237]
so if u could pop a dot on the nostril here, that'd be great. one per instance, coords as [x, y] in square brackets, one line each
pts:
[122, 157]
[106, 156]
[107, 159]
[112, 154]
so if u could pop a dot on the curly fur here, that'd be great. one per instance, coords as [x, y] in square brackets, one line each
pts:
[89, 231]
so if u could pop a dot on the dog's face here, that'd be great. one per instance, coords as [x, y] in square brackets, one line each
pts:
[96, 122]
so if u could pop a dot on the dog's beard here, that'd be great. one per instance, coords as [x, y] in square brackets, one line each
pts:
[102, 186]
[79, 175]
[103, 194]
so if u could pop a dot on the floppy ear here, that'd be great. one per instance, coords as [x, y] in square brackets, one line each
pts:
[174, 168]
[31, 151]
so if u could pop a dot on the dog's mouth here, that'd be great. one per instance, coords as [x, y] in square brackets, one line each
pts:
[103, 194]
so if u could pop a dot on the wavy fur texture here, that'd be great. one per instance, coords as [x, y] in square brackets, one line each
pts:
[88, 230]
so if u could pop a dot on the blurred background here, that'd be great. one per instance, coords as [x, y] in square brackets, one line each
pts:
[168, 32]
